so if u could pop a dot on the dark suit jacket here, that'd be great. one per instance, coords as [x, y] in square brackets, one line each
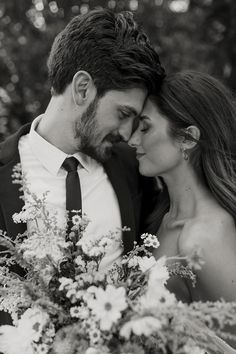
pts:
[136, 194]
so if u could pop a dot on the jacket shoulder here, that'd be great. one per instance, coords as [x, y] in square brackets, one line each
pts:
[9, 146]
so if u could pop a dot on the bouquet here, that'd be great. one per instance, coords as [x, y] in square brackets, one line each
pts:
[66, 304]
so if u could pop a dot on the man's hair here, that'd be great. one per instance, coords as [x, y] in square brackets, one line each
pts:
[110, 47]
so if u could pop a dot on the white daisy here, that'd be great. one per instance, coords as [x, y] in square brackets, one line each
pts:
[107, 305]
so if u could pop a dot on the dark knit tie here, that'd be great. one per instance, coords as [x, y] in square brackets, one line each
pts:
[73, 190]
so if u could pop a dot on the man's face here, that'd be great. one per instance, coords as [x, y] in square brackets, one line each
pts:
[109, 120]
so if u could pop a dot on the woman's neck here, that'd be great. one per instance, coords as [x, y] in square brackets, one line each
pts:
[187, 193]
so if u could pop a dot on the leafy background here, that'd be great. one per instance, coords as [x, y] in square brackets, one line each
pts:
[196, 34]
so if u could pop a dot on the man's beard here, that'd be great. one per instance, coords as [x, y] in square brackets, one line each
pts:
[87, 131]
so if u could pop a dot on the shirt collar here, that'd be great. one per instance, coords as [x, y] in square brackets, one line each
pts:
[50, 156]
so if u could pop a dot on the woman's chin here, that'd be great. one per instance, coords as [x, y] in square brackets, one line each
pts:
[146, 172]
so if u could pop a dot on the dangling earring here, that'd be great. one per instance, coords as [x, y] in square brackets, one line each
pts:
[184, 153]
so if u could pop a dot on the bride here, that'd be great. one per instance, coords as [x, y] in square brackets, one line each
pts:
[187, 136]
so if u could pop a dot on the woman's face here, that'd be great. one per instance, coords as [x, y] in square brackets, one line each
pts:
[157, 152]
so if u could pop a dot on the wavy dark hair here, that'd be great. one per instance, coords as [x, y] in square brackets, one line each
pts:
[110, 47]
[193, 98]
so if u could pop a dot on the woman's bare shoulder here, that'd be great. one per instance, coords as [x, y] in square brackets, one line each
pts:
[209, 231]
[215, 235]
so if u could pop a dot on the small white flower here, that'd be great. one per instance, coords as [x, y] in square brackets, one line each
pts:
[80, 262]
[29, 212]
[81, 312]
[33, 321]
[158, 273]
[133, 262]
[84, 278]
[107, 305]
[195, 259]
[157, 294]
[13, 341]
[76, 220]
[88, 297]
[74, 311]
[151, 241]
[191, 347]
[94, 335]
[72, 290]
[105, 241]
[42, 348]
[99, 276]
[65, 282]
[20, 339]
[96, 251]
[141, 326]
[50, 331]
[159, 297]
[100, 350]
[39, 246]
[143, 236]
[89, 248]
[91, 266]
[92, 289]
[146, 263]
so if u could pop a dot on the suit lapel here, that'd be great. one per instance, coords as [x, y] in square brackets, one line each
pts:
[9, 192]
[117, 177]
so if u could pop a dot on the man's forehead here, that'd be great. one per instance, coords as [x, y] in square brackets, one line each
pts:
[127, 95]
[132, 99]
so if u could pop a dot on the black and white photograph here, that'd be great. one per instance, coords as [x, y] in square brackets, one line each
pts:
[117, 177]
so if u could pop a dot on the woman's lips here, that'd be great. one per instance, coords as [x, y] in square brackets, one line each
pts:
[139, 155]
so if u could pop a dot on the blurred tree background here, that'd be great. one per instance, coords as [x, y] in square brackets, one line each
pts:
[195, 34]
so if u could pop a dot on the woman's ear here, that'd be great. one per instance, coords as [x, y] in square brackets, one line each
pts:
[194, 134]
[82, 87]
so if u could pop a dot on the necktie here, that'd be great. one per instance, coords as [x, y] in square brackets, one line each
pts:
[73, 190]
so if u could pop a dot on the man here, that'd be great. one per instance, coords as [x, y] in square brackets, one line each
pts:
[101, 69]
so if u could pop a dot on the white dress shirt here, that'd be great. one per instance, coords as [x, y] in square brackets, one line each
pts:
[42, 161]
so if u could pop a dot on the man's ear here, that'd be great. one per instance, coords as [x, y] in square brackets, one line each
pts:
[82, 87]
[194, 135]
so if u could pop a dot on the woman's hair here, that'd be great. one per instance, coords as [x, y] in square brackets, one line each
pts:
[192, 98]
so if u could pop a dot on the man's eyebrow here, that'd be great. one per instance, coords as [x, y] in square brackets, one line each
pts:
[129, 109]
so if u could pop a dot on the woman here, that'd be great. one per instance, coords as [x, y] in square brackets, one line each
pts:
[187, 136]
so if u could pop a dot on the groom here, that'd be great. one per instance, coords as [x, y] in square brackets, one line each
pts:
[101, 69]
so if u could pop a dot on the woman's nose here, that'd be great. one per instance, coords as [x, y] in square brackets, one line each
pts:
[134, 140]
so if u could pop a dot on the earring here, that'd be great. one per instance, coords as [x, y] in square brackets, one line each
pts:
[184, 153]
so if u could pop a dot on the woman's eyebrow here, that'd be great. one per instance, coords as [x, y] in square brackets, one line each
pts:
[143, 117]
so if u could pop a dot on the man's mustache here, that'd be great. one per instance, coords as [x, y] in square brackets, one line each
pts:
[114, 138]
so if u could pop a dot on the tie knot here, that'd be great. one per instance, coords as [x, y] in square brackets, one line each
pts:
[70, 164]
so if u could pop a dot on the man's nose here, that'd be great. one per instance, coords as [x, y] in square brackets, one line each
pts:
[125, 130]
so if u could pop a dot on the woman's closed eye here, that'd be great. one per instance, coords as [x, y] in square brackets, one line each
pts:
[144, 124]
[144, 127]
